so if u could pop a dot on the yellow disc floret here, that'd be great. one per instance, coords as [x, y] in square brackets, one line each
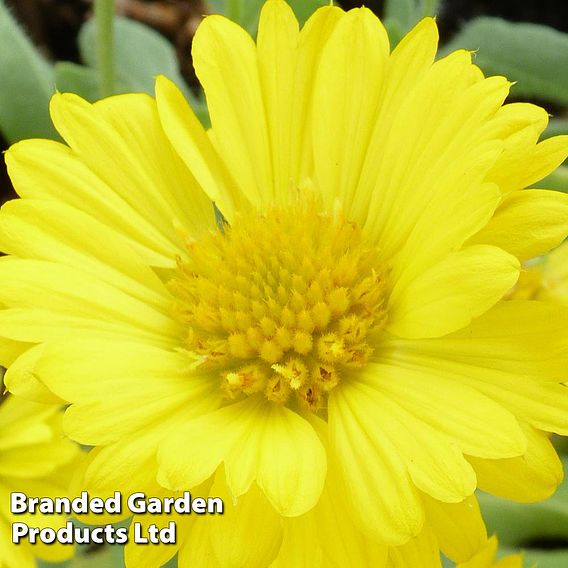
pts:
[282, 303]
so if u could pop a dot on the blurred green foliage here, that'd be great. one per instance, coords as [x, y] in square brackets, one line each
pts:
[534, 56]
[26, 84]
[28, 80]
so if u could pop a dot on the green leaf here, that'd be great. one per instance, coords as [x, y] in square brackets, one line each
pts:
[519, 523]
[556, 126]
[73, 78]
[558, 180]
[402, 11]
[305, 8]
[540, 558]
[395, 29]
[534, 55]
[561, 445]
[27, 83]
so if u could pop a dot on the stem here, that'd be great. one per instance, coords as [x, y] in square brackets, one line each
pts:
[104, 19]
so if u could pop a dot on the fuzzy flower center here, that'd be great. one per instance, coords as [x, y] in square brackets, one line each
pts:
[282, 303]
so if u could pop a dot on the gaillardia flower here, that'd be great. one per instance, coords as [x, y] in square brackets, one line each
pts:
[332, 337]
[37, 460]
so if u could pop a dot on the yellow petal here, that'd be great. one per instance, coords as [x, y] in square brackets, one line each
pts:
[16, 556]
[417, 180]
[353, 62]
[31, 442]
[478, 425]
[55, 552]
[421, 551]
[40, 325]
[196, 549]
[486, 556]
[147, 384]
[529, 478]
[385, 503]
[409, 62]
[544, 405]
[72, 295]
[10, 350]
[230, 533]
[411, 58]
[527, 224]
[295, 552]
[48, 170]
[459, 527]
[127, 466]
[519, 124]
[453, 292]
[341, 541]
[194, 147]
[525, 338]
[435, 463]
[36, 460]
[313, 37]
[24, 423]
[20, 378]
[47, 485]
[47, 230]
[517, 170]
[278, 37]
[225, 61]
[513, 561]
[152, 555]
[334, 539]
[122, 141]
[256, 441]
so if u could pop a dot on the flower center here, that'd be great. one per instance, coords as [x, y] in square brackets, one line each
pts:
[282, 303]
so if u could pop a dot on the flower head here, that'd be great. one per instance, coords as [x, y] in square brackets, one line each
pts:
[282, 304]
[36, 460]
[342, 340]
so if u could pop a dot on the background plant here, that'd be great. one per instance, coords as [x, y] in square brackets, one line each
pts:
[118, 55]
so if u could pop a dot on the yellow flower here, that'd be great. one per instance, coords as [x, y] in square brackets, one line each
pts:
[342, 331]
[486, 558]
[36, 460]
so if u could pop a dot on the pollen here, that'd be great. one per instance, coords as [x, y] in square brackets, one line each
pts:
[283, 303]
